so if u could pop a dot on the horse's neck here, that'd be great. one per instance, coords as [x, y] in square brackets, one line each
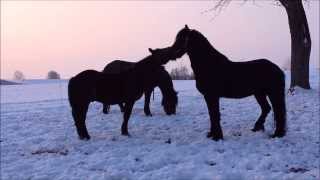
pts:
[145, 71]
[203, 55]
[145, 64]
[165, 84]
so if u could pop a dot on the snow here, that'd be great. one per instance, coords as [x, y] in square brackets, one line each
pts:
[35, 90]
[39, 141]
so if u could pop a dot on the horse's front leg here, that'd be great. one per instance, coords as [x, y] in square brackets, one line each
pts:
[214, 113]
[121, 107]
[127, 112]
[147, 95]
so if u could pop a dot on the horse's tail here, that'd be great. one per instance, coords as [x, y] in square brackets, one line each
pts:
[70, 91]
[278, 101]
[283, 100]
[283, 110]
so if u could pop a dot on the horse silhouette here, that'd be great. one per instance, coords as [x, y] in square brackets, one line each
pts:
[127, 87]
[162, 80]
[216, 76]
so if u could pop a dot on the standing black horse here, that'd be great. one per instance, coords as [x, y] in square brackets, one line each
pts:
[216, 76]
[162, 79]
[91, 85]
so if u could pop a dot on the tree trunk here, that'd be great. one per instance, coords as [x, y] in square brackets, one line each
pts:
[300, 43]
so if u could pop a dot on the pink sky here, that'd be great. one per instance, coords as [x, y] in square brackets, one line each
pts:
[71, 36]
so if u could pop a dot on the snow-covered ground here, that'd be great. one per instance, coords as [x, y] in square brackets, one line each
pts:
[39, 141]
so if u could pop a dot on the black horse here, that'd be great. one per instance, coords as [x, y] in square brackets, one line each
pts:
[162, 80]
[216, 76]
[91, 85]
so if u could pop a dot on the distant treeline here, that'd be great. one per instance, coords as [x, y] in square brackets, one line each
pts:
[181, 73]
[19, 76]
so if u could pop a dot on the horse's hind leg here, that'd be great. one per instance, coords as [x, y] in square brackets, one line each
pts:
[106, 108]
[147, 95]
[127, 112]
[79, 116]
[279, 108]
[265, 109]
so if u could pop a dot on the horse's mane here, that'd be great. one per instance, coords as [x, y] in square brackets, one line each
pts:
[166, 79]
[203, 44]
[147, 63]
[144, 61]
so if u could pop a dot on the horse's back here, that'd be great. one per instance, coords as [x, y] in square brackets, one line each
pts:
[241, 79]
[85, 78]
[118, 66]
[256, 76]
[86, 75]
[91, 85]
[258, 71]
[81, 86]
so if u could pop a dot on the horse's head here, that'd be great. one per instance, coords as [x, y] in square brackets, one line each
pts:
[170, 103]
[178, 49]
[162, 56]
[180, 46]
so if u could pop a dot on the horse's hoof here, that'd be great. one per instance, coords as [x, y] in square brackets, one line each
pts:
[217, 138]
[209, 134]
[169, 114]
[278, 134]
[85, 138]
[258, 128]
[125, 134]
[147, 113]
[105, 111]
[128, 135]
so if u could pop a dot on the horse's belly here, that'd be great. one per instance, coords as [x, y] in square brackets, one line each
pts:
[113, 103]
[112, 100]
[237, 92]
[133, 95]
[236, 95]
[224, 90]
[110, 95]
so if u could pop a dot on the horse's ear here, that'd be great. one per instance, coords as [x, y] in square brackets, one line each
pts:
[151, 50]
[186, 27]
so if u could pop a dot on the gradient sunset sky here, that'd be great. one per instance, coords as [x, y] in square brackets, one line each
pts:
[71, 36]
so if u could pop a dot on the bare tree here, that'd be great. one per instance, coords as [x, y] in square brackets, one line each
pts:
[53, 75]
[18, 76]
[300, 40]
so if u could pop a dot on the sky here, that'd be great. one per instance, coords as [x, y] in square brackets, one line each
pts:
[72, 36]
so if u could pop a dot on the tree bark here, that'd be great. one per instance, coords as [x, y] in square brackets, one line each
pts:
[300, 43]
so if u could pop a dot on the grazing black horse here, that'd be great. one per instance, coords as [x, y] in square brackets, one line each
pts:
[162, 79]
[91, 85]
[216, 76]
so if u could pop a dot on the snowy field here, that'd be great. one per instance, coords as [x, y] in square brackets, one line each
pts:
[39, 141]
